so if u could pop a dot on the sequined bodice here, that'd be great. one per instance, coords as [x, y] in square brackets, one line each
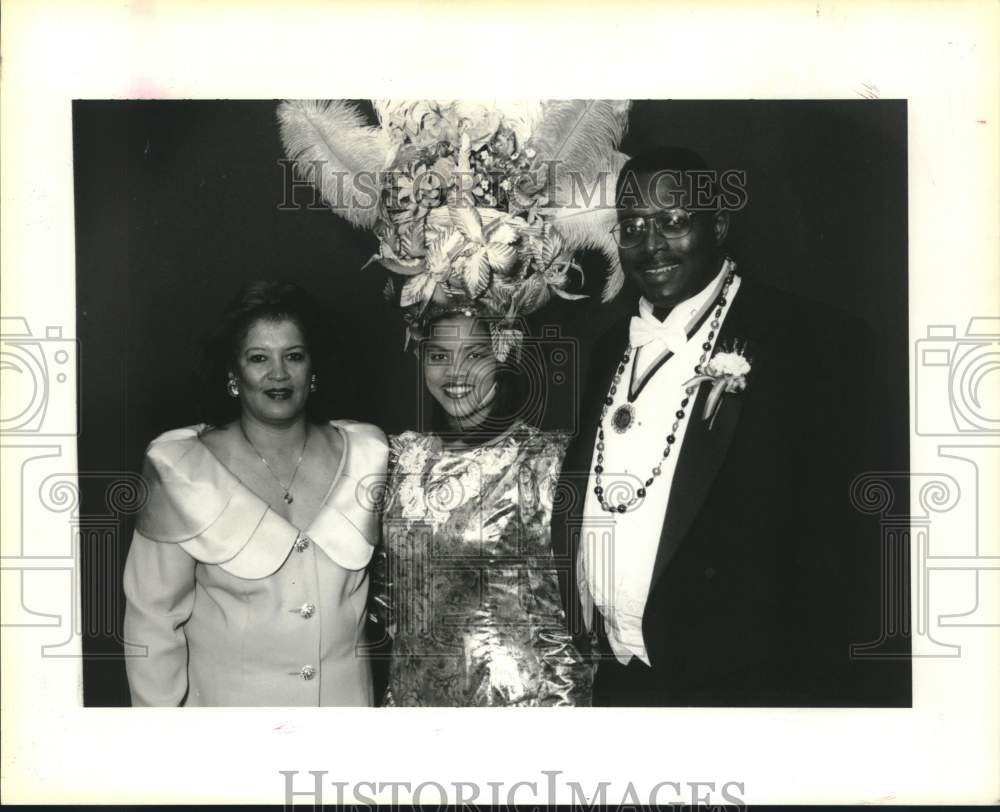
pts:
[470, 581]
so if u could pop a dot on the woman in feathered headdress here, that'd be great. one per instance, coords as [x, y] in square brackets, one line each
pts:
[479, 209]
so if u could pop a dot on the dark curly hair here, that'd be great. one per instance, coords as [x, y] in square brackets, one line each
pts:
[263, 300]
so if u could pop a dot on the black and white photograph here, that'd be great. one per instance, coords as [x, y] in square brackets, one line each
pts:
[337, 419]
[410, 423]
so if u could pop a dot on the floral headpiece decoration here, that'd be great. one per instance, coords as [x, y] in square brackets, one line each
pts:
[479, 207]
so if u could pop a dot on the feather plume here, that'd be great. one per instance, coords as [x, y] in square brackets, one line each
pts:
[522, 116]
[592, 230]
[582, 138]
[579, 135]
[331, 144]
[584, 214]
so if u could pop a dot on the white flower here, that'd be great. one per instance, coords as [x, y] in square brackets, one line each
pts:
[728, 363]
[727, 372]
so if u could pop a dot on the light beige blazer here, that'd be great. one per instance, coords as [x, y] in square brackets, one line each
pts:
[227, 603]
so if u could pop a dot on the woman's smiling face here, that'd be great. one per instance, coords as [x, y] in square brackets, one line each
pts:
[460, 370]
[273, 370]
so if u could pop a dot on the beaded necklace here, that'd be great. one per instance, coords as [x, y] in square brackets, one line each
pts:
[720, 306]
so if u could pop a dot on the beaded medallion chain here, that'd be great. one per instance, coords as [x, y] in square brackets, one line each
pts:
[679, 415]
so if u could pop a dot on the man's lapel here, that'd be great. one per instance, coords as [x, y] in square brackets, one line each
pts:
[703, 450]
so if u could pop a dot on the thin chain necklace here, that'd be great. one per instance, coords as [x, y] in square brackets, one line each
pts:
[679, 415]
[286, 488]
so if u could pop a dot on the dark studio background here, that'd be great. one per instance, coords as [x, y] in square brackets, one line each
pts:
[177, 205]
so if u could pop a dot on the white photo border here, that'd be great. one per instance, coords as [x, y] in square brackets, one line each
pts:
[942, 57]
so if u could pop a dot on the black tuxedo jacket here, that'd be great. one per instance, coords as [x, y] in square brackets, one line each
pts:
[764, 572]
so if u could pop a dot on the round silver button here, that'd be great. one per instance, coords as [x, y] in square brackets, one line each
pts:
[307, 672]
[307, 610]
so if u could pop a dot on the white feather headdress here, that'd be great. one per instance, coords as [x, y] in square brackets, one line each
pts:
[477, 204]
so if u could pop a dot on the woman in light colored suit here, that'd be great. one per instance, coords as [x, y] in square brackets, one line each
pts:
[246, 579]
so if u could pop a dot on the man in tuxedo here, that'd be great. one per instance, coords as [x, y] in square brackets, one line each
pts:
[715, 552]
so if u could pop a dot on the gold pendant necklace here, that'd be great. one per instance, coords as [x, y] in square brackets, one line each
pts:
[287, 497]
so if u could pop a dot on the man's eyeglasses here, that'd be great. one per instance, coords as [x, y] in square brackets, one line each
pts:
[669, 224]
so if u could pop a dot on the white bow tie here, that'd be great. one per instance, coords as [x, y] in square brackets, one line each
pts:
[641, 332]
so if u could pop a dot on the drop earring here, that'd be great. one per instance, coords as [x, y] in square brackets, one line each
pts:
[233, 387]
[313, 383]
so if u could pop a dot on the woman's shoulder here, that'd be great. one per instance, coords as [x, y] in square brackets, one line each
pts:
[187, 488]
[359, 429]
[195, 455]
[541, 452]
[175, 444]
[539, 441]
[366, 446]
[184, 434]
[413, 447]
[409, 438]
[191, 432]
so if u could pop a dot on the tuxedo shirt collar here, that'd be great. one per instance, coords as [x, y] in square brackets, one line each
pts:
[682, 314]
[678, 322]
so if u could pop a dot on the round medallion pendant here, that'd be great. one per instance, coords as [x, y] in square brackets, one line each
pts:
[623, 418]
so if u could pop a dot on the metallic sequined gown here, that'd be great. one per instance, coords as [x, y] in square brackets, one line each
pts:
[466, 579]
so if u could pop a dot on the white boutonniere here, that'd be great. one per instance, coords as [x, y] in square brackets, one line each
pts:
[727, 372]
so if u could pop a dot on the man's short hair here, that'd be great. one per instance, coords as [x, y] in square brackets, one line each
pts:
[663, 159]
